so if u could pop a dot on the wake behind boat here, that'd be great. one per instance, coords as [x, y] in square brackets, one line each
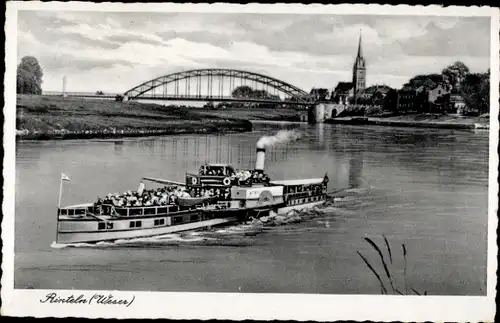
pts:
[217, 195]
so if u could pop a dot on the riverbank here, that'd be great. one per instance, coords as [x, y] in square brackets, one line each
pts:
[418, 121]
[42, 117]
[255, 113]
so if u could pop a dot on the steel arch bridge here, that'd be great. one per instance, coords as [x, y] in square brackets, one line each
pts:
[218, 85]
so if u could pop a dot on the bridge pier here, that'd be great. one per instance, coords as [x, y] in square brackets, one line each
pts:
[320, 112]
[316, 113]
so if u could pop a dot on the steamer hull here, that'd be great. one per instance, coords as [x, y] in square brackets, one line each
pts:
[93, 236]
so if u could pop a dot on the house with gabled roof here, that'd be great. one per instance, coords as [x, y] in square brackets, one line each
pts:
[343, 91]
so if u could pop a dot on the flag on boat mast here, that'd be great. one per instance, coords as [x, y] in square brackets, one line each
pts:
[141, 188]
[64, 177]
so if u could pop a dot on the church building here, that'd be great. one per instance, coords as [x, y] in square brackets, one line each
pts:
[345, 90]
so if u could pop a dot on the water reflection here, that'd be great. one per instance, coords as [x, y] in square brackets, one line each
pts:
[118, 146]
[427, 189]
[355, 169]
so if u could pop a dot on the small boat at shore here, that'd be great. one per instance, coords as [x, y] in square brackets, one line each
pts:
[217, 195]
[481, 126]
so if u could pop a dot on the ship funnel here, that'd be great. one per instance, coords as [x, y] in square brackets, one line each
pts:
[283, 136]
[261, 156]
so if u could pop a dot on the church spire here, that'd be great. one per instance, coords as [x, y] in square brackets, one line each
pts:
[359, 70]
[360, 49]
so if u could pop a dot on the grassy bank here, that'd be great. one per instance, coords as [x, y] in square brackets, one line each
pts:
[257, 113]
[40, 117]
[418, 121]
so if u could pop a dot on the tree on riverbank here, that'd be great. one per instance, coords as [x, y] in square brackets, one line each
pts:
[243, 91]
[29, 76]
[454, 75]
[246, 92]
[475, 89]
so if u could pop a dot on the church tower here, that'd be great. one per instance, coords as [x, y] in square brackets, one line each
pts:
[359, 70]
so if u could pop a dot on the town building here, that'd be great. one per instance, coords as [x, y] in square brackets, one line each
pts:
[373, 95]
[343, 92]
[319, 94]
[457, 103]
[437, 91]
[406, 99]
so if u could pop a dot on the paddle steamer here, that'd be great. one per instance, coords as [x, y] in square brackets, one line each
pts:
[217, 195]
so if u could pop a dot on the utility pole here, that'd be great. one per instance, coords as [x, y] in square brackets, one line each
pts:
[64, 87]
[397, 101]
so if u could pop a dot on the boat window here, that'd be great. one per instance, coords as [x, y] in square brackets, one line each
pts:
[121, 211]
[194, 217]
[71, 212]
[162, 210]
[149, 210]
[135, 224]
[64, 212]
[109, 225]
[101, 226]
[79, 211]
[159, 222]
[178, 219]
[135, 211]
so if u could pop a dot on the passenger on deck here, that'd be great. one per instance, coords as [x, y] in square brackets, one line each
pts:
[153, 197]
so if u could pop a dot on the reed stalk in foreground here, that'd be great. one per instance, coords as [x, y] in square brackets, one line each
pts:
[385, 266]
[381, 255]
[404, 274]
[382, 286]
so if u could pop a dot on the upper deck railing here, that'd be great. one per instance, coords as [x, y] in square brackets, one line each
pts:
[108, 209]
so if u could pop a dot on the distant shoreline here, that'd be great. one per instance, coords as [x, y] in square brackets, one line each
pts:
[57, 118]
[417, 121]
[107, 134]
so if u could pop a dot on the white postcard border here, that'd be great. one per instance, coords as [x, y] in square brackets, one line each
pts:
[237, 306]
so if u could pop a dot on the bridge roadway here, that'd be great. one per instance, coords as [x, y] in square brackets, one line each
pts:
[178, 98]
[81, 94]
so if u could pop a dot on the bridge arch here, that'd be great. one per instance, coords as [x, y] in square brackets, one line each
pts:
[194, 91]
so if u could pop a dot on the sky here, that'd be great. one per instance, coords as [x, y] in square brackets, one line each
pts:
[115, 51]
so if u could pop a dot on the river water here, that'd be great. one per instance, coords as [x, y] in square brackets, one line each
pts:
[426, 189]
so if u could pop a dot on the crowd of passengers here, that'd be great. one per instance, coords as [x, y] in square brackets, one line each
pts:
[223, 193]
[241, 175]
[167, 195]
[148, 197]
